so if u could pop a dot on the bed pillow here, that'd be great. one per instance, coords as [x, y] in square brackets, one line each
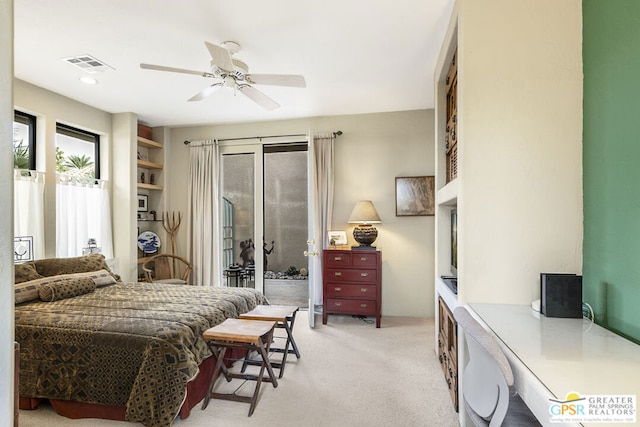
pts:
[27, 291]
[25, 272]
[30, 291]
[81, 264]
[66, 287]
[100, 277]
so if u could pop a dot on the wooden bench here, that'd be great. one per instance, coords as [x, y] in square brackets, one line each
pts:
[284, 316]
[244, 334]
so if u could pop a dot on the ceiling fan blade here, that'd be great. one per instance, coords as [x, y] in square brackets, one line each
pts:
[220, 56]
[291, 80]
[175, 70]
[205, 92]
[258, 97]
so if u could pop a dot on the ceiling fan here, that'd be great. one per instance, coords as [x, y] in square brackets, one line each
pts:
[234, 73]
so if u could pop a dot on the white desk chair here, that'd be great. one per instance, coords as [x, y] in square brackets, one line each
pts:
[487, 379]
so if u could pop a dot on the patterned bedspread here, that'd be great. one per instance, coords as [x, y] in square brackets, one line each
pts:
[128, 344]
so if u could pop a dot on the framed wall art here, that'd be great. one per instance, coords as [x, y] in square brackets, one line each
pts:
[415, 196]
[143, 202]
[22, 248]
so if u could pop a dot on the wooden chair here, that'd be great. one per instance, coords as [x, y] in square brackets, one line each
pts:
[165, 268]
[488, 379]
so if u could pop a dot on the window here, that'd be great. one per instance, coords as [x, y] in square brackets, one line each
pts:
[24, 141]
[77, 152]
[83, 211]
[28, 187]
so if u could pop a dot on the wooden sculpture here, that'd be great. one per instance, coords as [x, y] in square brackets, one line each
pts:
[171, 225]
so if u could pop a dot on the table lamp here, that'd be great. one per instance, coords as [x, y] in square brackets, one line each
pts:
[364, 214]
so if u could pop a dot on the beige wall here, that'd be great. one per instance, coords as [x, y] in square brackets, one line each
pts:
[520, 159]
[49, 108]
[117, 155]
[373, 150]
[6, 212]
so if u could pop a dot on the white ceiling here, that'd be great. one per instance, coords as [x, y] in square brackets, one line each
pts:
[358, 56]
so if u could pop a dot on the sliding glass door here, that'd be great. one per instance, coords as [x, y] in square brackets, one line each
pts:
[264, 221]
[242, 215]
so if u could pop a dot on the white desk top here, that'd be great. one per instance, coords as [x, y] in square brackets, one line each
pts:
[566, 355]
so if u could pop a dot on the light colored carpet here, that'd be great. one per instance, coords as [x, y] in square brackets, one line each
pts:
[350, 374]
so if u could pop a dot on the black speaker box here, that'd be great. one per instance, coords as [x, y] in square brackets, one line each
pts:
[561, 295]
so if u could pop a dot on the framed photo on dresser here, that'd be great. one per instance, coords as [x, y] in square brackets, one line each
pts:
[337, 238]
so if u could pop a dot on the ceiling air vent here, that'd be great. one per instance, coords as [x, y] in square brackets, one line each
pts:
[88, 64]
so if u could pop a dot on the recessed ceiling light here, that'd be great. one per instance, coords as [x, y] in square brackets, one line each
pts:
[88, 80]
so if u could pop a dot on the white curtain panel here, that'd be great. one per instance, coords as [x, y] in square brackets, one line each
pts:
[82, 211]
[28, 208]
[203, 213]
[321, 162]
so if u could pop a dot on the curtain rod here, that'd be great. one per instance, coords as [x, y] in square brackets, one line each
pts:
[337, 133]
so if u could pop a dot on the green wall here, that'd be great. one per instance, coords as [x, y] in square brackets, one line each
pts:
[611, 258]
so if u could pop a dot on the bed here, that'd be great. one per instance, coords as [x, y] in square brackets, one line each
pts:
[98, 347]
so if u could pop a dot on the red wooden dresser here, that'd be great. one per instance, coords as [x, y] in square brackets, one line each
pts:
[352, 283]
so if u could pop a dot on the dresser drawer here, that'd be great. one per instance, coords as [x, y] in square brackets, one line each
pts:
[366, 260]
[350, 291]
[351, 306]
[337, 259]
[345, 275]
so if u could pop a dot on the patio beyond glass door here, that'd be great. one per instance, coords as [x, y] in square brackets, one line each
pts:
[286, 279]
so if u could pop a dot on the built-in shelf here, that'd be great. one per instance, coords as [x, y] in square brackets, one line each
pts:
[149, 165]
[448, 195]
[148, 143]
[446, 293]
[144, 186]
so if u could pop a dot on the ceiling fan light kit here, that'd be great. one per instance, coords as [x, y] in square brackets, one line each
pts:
[233, 73]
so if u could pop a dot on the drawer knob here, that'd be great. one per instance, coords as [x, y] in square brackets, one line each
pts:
[363, 305]
[337, 289]
[363, 290]
[364, 258]
[338, 304]
[338, 258]
[338, 273]
[364, 274]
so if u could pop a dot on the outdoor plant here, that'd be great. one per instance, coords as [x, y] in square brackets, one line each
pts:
[20, 155]
[78, 166]
[292, 271]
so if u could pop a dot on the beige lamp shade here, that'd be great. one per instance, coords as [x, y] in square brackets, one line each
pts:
[364, 213]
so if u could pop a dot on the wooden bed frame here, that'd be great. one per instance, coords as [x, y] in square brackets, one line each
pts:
[196, 391]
